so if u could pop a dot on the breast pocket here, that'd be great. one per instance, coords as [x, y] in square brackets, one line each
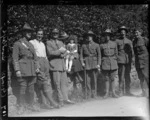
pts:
[112, 50]
[140, 47]
[93, 49]
[105, 50]
[85, 51]
[24, 51]
[120, 46]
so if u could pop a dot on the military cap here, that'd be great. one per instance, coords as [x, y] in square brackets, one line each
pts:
[27, 27]
[55, 30]
[63, 35]
[90, 33]
[138, 29]
[123, 28]
[108, 32]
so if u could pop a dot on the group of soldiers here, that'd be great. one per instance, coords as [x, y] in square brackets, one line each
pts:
[37, 64]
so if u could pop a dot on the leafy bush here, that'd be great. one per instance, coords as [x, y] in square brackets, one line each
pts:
[76, 19]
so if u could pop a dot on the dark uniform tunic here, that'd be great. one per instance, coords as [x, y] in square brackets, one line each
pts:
[125, 56]
[109, 54]
[91, 56]
[25, 60]
[141, 58]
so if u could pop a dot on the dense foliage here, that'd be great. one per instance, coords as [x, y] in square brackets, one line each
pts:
[77, 19]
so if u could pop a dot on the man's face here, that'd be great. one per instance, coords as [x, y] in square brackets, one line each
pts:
[55, 35]
[28, 35]
[90, 38]
[123, 33]
[71, 41]
[137, 33]
[39, 35]
[107, 37]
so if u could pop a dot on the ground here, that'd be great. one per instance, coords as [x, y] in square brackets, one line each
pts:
[123, 106]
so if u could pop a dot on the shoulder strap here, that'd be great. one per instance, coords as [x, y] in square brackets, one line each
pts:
[28, 46]
[88, 48]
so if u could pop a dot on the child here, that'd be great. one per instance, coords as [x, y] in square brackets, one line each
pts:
[72, 52]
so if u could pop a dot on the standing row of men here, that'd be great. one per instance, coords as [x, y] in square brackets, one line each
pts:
[32, 65]
[32, 62]
[112, 56]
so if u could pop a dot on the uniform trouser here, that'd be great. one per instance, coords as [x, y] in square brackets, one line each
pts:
[91, 82]
[109, 76]
[41, 90]
[26, 83]
[43, 80]
[124, 76]
[143, 75]
[60, 82]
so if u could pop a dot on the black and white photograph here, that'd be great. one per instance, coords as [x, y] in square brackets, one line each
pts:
[77, 60]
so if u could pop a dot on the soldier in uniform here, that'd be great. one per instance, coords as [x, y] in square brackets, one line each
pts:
[25, 66]
[56, 52]
[141, 59]
[43, 77]
[125, 60]
[109, 65]
[90, 57]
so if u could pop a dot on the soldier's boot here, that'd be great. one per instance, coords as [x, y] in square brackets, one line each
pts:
[143, 94]
[89, 94]
[48, 95]
[127, 91]
[110, 94]
[113, 90]
[32, 106]
[107, 90]
[46, 106]
[21, 107]
[120, 90]
[61, 103]
[93, 94]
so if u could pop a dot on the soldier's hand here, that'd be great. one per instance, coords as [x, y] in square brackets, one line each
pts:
[37, 70]
[98, 67]
[18, 74]
[133, 61]
[62, 49]
[68, 51]
[83, 64]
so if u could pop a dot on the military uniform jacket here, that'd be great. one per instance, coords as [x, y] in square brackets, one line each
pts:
[141, 52]
[24, 58]
[90, 55]
[125, 51]
[109, 54]
[56, 58]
